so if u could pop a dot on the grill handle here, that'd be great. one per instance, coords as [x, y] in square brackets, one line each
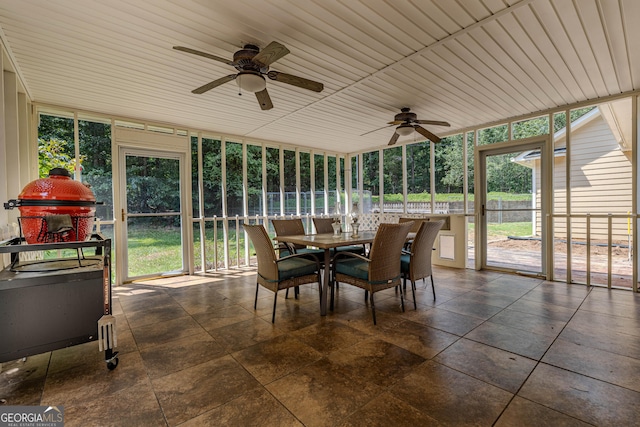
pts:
[50, 202]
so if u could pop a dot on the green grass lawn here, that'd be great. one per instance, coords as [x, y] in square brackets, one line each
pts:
[502, 231]
[152, 251]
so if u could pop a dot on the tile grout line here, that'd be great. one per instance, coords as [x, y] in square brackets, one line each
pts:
[539, 361]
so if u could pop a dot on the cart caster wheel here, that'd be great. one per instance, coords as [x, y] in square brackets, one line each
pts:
[112, 364]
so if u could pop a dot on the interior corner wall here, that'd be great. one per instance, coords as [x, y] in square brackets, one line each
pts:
[12, 151]
[27, 151]
[4, 191]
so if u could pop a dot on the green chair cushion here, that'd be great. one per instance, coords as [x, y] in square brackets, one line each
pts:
[356, 249]
[317, 252]
[404, 263]
[295, 267]
[353, 267]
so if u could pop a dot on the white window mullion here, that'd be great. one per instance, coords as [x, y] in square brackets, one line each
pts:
[338, 188]
[298, 183]
[312, 177]
[326, 183]
[405, 193]
[432, 174]
[281, 186]
[381, 180]
[225, 223]
[265, 205]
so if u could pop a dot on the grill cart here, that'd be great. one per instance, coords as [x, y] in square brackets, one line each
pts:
[48, 304]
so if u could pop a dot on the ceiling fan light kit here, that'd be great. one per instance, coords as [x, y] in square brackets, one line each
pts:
[251, 82]
[405, 130]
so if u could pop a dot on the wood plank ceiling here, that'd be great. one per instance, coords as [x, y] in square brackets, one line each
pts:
[468, 62]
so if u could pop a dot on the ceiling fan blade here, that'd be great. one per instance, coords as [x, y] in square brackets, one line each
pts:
[271, 53]
[215, 83]
[375, 130]
[296, 81]
[264, 99]
[422, 131]
[432, 122]
[206, 55]
[394, 138]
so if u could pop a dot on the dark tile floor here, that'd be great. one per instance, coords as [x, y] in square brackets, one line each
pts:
[493, 349]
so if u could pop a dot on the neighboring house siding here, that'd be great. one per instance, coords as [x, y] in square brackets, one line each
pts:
[600, 183]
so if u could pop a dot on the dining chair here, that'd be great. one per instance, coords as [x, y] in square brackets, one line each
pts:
[415, 264]
[277, 273]
[414, 229]
[416, 223]
[292, 227]
[323, 226]
[378, 271]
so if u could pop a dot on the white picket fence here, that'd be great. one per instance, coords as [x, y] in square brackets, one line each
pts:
[413, 207]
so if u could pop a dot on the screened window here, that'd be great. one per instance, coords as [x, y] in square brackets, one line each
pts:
[370, 183]
[254, 179]
[273, 181]
[233, 161]
[212, 176]
[305, 183]
[319, 183]
[334, 199]
[289, 182]
[95, 169]
[392, 162]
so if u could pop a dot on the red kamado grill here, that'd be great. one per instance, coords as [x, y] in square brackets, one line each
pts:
[55, 209]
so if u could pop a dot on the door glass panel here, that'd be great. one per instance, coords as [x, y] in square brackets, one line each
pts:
[513, 214]
[154, 238]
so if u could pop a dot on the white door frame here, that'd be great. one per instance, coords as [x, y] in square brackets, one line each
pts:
[140, 142]
[546, 195]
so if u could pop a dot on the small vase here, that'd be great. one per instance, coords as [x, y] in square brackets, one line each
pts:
[354, 229]
[336, 228]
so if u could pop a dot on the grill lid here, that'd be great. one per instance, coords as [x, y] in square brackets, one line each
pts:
[56, 190]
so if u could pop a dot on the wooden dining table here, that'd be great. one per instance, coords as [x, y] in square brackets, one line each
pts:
[327, 242]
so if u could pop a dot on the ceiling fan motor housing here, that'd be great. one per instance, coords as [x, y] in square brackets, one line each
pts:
[406, 116]
[243, 59]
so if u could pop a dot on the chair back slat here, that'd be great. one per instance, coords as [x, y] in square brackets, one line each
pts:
[417, 222]
[265, 252]
[289, 227]
[385, 251]
[323, 225]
